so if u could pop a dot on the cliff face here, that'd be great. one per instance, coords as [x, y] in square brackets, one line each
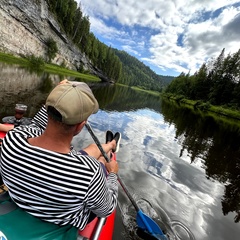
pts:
[25, 25]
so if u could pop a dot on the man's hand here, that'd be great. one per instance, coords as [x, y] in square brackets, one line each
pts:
[112, 166]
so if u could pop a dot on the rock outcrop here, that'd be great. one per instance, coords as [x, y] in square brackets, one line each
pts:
[25, 25]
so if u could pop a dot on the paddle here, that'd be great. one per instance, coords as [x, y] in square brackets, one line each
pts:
[143, 221]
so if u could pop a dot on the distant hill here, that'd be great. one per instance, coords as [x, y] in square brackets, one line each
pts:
[136, 73]
[167, 79]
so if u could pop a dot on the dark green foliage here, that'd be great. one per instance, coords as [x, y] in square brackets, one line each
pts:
[202, 105]
[135, 73]
[52, 49]
[202, 84]
[36, 63]
[166, 79]
[216, 82]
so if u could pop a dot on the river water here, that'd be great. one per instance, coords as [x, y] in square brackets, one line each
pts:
[181, 167]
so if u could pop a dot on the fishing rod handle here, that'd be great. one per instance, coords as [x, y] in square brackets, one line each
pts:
[88, 126]
[97, 141]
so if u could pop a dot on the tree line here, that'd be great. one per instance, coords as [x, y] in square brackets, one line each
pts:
[136, 73]
[116, 65]
[216, 82]
[77, 27]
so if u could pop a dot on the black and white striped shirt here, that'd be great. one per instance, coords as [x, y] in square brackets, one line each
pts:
[59, 188]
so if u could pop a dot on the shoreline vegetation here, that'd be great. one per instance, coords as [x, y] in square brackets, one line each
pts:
[217, 112]
[39, 65]
[214, 88]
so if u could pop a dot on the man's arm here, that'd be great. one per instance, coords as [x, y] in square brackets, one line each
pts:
[6, 127]
[103, 194]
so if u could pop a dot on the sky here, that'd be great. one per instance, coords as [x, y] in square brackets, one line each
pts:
[169, 36]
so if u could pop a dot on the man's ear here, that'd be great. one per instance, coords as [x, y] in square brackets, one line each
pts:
[79, 127]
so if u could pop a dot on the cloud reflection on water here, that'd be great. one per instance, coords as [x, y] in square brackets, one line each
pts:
[151, 167]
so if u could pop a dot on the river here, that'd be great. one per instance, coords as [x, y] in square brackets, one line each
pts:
[182, 167]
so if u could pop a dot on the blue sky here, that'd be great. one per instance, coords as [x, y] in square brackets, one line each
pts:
[171, 36]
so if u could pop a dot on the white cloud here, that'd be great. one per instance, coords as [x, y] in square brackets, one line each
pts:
[203, 33]
[129, 49]
[102, 29]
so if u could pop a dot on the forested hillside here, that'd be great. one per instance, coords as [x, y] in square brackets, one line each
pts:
[117, 66]
[217, 82]
[135, 73]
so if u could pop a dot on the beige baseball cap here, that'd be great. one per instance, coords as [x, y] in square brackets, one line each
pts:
[74, 101]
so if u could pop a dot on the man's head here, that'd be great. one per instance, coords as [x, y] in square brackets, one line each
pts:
[73, 100]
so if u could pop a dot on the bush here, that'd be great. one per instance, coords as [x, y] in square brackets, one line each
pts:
[178, 98]
[52, 49]
[80, 68]
[197, 104]
[36, 62]
[204, 106]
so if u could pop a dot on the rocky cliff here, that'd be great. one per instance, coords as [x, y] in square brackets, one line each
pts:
[25, 25]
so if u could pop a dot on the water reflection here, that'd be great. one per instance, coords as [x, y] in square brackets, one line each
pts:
[122, 99]
[181, 167]
[218, 145]
[199, 139]
[18, 85]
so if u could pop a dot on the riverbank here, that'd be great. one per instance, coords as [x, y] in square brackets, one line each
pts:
[206, 108]
[215, 111]
[46, 67]
[155, 93]
[64, 72]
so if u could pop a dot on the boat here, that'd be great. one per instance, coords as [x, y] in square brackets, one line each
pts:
[98, 229]
[2, 134]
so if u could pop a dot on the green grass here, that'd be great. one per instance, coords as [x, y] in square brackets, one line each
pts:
[49, 68]
[225, 111]
[55, 69]
[10, 59]
[147, 91]
[217, 111]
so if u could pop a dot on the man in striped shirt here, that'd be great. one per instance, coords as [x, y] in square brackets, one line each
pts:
[45, 176]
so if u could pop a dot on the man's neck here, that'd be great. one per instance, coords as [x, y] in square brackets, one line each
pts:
[53, 141]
